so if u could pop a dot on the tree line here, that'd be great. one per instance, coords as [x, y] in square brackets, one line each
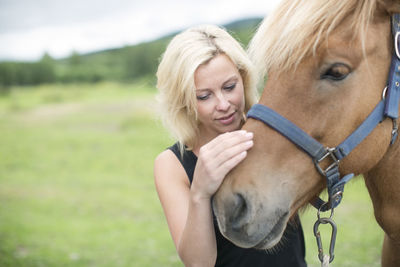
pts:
[124, 64]
[121, 64]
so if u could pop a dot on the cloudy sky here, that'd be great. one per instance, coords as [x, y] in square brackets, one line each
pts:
[28, 28]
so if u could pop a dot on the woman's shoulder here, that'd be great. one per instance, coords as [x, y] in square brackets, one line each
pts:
[167, 168]
[166, 159]
[169, 155]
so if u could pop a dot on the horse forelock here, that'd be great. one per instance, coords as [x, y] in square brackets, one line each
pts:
[297, 28]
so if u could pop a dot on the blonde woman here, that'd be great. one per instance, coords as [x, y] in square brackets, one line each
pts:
[206, 85]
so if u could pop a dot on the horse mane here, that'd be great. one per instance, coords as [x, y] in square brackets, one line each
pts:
[297, 27]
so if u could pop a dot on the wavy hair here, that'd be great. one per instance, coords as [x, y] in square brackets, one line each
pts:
[175, 77]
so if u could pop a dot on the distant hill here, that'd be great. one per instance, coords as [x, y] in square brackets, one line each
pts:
[127, 63]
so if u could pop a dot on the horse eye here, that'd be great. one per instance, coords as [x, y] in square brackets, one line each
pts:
[336, 72]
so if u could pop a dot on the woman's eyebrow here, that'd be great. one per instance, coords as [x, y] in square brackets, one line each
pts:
[233, 78]
[202, 89]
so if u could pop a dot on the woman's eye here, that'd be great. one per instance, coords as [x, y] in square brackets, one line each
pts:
[230, 87]
[202, 97]
[336, 72]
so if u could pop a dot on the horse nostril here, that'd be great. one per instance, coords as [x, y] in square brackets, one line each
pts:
[240, 212]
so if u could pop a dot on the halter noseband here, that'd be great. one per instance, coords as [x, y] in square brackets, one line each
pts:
[388, 107]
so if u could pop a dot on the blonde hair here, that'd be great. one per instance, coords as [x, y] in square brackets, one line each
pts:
[175, 77]
[298, 27]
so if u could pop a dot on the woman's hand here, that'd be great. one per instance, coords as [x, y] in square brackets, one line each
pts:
[217, 158]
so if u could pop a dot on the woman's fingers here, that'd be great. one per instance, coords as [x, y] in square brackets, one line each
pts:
[213, 156]
[229, 158]
[221, 146]
[234, 150]
[217, 158]
[231, 163]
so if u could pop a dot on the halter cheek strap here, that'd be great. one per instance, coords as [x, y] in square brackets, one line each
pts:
[387, 107]
[393, 91]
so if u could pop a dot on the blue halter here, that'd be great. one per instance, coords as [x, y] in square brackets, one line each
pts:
[388, 107]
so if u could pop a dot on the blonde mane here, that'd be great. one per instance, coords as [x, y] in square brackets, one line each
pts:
[298, 27]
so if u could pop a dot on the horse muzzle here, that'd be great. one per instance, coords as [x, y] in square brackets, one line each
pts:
[248, 222]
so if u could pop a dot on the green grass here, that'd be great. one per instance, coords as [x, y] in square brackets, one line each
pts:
[76, 183]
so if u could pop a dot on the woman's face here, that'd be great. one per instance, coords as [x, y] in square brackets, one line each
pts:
[220, 96]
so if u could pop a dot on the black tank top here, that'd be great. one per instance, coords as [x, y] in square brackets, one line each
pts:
[290, 253]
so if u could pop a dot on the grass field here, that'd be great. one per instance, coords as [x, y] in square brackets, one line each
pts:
[76, 183]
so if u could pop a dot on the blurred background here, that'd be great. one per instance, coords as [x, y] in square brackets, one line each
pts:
[79, 133]
[91, 41]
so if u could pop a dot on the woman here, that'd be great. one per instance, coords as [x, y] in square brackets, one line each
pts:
[206, 84]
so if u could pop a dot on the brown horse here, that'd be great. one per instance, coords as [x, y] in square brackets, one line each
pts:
[327, 64]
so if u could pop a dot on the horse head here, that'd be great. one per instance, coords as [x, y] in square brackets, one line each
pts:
[327, 64]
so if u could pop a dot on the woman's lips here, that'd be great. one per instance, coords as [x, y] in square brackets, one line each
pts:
[227, 119]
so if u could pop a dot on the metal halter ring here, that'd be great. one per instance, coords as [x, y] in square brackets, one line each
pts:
[320, 209]
[384, 93]
[336, 197]
[396, 44]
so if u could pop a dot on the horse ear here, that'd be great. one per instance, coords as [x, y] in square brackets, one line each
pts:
[390, 6]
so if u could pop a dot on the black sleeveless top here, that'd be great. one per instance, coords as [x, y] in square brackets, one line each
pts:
[290, 253]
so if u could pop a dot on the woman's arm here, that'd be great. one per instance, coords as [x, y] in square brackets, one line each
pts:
[188, 209]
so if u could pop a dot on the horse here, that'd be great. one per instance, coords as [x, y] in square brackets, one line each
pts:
[326, 65]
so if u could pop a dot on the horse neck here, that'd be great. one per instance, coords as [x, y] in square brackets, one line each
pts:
[383, 180]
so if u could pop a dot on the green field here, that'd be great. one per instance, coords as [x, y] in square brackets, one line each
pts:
[76, 183]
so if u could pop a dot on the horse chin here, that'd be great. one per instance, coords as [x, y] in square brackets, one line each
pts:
[263, 233]
[275, 235]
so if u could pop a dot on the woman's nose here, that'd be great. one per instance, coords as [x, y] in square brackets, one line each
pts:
[223, 103]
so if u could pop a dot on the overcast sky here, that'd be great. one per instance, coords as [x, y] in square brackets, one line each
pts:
[28, 28]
